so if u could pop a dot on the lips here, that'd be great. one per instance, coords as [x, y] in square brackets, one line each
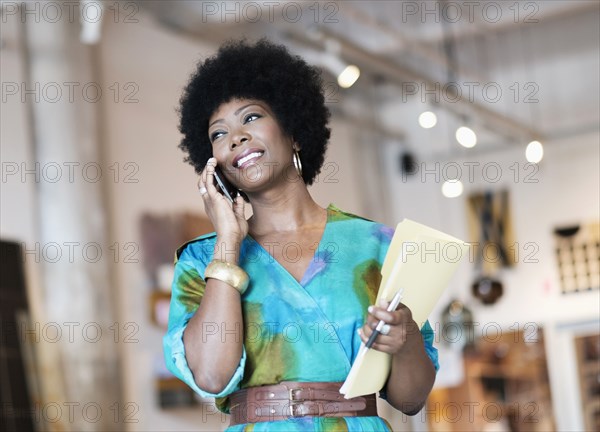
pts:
[246, 157]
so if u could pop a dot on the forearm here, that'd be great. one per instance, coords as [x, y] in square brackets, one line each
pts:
[411, 377]
[214, 335]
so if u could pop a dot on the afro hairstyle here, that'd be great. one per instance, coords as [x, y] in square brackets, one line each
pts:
[267, 72]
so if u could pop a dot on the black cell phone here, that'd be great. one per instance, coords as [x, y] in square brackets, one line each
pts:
[224, 185]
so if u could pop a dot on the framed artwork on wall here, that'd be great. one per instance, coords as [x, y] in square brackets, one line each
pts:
[577, 250]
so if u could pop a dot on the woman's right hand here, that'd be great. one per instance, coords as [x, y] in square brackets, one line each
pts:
[228, 221]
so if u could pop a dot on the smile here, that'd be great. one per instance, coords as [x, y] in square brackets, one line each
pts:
[248, 159]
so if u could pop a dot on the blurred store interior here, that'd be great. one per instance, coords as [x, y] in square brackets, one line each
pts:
[96, 196]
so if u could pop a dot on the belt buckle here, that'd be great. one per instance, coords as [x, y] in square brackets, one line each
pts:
[292, 413]
[291, 394]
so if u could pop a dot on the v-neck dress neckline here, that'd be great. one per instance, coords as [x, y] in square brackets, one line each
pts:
[306, 276]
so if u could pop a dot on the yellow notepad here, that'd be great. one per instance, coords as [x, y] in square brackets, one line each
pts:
[421, 260]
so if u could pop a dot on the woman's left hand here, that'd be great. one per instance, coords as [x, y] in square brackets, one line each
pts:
[403, 330]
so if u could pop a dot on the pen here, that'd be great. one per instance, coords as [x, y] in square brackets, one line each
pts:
[392, 307]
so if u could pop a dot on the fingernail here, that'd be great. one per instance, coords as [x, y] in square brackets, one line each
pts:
[370, 309]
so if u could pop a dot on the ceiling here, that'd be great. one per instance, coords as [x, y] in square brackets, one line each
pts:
[517, 70]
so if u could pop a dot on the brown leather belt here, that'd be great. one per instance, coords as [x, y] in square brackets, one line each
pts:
[297, 399]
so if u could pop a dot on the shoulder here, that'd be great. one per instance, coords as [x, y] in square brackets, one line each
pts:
[197, 248]
[357, 225]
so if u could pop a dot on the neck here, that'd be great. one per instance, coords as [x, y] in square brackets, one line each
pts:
[284, 210]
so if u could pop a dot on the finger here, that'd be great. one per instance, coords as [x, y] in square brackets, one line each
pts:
[370, 316]
[238, 208]
[202, 188]
[377, 346]
[364, 333]
[383, 303]
[401, 314]
[368, 330]
[210, 180]
[372, 321]
[383, 342]
[204, 180]
[200, 185]
[379, 313]
[203, 174]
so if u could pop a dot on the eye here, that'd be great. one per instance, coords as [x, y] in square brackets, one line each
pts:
[251, 117]
[215, 135]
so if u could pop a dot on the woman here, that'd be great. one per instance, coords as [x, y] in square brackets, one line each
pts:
[268, 314]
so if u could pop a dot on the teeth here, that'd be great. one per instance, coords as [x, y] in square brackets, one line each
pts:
[248, 157]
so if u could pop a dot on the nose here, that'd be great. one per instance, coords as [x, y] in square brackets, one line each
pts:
[239, 138]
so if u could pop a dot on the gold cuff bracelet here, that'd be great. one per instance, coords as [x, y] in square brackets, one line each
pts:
[229, 273]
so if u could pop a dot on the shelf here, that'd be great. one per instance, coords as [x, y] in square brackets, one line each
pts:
[171, 384]
[490, 370]
[590, 368]
[509, 374]
[588, 359]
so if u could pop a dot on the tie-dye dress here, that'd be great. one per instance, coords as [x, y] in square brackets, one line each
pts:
[293, 331]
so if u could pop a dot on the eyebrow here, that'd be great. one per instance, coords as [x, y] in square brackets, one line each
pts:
[235, 113]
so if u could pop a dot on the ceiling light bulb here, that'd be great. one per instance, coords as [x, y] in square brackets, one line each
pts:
[466, 137]
[534, 152]
[427, 120]
[348, 76]
[91, 22]
[452, 188]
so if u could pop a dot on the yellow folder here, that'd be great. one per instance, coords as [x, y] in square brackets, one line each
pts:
[421, 261]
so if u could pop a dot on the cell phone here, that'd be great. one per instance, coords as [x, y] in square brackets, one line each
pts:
[224, 185]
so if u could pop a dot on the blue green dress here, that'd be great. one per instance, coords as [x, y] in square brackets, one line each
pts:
[294, 331]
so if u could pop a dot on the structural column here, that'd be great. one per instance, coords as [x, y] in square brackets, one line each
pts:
[75, 256]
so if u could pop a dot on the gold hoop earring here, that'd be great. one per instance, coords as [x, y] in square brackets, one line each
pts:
[297, 162]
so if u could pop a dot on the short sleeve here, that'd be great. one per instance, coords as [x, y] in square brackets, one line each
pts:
[186, 295]
[432, 351]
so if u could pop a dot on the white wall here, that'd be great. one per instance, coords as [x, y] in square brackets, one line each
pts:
[17, 189]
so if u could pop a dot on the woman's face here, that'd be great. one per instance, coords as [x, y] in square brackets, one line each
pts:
[249, 145]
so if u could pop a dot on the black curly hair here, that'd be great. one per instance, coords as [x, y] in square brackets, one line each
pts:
[264, 71]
